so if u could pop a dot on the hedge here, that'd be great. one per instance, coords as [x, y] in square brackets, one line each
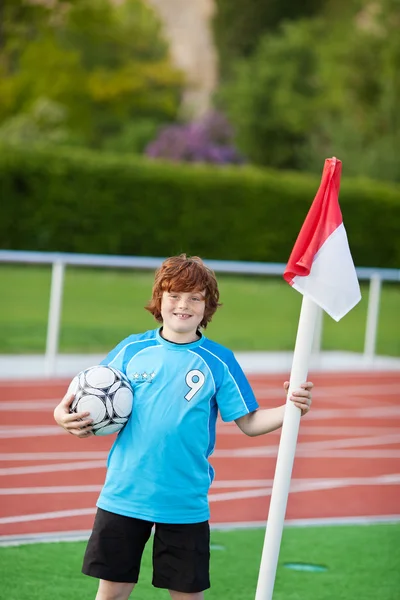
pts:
[80, 201]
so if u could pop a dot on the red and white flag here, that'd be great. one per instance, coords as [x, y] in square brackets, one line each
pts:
[320, 265]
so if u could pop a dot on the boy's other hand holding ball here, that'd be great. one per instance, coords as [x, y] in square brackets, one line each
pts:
[78, 424]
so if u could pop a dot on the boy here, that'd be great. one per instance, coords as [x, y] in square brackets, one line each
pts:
[158, 471]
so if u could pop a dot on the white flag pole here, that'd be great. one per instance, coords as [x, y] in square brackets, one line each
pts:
[286, 453]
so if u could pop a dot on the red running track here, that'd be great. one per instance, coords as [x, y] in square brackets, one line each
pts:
[347, 462]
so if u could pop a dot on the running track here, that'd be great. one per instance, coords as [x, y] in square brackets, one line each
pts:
[347, 463]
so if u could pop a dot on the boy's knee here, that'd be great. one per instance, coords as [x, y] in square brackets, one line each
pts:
[182, 596]
[114, 590]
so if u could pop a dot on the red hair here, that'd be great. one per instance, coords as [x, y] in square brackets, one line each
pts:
[185, 274]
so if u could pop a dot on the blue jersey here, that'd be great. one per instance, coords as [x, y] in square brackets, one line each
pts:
[158, 468]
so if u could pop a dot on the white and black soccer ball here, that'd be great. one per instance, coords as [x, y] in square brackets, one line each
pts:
[106, 394]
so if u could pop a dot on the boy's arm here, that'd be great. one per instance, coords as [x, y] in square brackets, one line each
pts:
[268, 419]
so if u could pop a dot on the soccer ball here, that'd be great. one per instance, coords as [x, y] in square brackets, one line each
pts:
[106, 394]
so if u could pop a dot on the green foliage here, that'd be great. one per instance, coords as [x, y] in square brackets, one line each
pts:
[239, 24]
[323, 87]
[45, 122]
[78, 201]
[133, 137]
[272, 99]
[105, 63]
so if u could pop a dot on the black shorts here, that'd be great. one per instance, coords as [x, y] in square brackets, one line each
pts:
[181, 553]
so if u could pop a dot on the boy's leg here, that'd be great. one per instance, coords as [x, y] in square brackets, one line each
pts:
[113, 590]
[183, 596]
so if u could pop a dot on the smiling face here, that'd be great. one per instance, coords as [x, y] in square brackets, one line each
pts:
[197, 287]
[182, 313]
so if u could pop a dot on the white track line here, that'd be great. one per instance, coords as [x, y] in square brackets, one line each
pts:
[260, 484]
[262, 392]
[375, 412]
[23, 456]
[335, 392]
[296, 487]
[18, 431]
[28, 405]
[222, 430]
[26, 431]
[360, 454]
[332, 414]
[393, 438]
[56, 489]
[71, 466]
[310, 486]
[315, 430]
[350, 387]
[323, 390]
[318, 450]
[82, 489]
[83, 535]
[79, 489]
[58, 514]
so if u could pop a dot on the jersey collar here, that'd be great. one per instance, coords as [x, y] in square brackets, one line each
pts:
[178, 347]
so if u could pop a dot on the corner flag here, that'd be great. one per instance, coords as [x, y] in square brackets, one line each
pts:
[321, 268]
[320, 265]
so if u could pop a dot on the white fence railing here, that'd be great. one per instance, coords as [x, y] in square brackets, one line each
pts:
[60, 260]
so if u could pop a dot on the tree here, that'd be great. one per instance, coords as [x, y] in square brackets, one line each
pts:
[239, 24]
[322, 87]
[106, 63]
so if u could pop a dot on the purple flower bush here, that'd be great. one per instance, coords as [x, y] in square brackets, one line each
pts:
[208, 140]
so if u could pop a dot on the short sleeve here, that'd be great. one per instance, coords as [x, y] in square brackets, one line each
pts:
[235, 397]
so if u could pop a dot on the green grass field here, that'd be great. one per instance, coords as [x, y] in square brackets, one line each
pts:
[101, 307]
[362, 563]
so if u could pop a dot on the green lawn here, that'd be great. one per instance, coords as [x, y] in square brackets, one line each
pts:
[362, 563]
[101, 307]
